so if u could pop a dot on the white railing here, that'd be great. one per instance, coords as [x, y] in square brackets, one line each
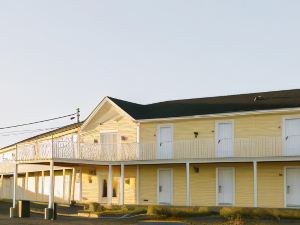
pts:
[184, 149]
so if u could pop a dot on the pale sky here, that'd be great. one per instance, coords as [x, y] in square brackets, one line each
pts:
[58, 55]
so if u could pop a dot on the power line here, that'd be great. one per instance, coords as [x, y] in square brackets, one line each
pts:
[19, 132]
[41, 121]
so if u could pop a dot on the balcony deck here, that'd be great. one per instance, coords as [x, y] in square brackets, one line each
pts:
[202, 149]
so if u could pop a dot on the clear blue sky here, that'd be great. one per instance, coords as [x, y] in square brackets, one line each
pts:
[58, 55]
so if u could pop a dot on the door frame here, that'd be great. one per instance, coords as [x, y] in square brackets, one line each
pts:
[217, 122]
[157, 184]
[217, 184]
[284, 184]
[283, 132]
[171, 126]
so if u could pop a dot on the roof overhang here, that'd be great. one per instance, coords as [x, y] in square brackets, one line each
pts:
[117, 111]
[218, 115]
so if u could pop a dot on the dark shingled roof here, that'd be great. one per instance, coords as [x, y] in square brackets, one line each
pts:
[212, 105]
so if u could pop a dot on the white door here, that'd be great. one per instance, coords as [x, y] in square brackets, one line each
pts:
[165, 142]
[292, 137]
[293, 187]
[67, 187]
[225, 186]
[224, 140]
[21, 188]
[47, 185]
[109, 146]
[165, 186]
[77, 189]
[58, 187]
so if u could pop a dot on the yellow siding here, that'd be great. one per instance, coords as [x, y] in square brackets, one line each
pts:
[90, 190]
[90, 183]
[148, 183]
[125, 127]
[244, 126]
[270, 180]
[203, 184]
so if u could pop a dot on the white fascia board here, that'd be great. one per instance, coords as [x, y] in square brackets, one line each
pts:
[99, 106]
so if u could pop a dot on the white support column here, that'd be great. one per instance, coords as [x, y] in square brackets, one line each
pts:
[1, 190]
[109, 185]
[43, 184]
[122, 184]
[73, 184]
[187, 170]
[138, 140]
[15, 186]
[13, 210]
[254, 183]
[64, 184]
[137, 185]
[51, 183]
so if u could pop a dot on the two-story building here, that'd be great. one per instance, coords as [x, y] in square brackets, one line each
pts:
[239, 150]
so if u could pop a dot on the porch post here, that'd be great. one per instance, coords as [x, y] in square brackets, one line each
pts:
[64, 184]
[13, 210]
[1, 191]
[49, 213]
[137, 185]
[254, 183]
[109, 185]
[187, 170]
[43, 184]
[73, 185]
[138, 141]
[122, 185]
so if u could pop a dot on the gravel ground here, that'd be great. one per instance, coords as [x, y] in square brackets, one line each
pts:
[37, 219]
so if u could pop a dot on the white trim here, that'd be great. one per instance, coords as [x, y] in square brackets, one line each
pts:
[283, 131]
[284, 183]
[99, 106]
[217, 184]
[110, 185]
[158, 127]
[217, 122]
[173, 161]
[51, 184]
[157, 184]
[218, 115]
[108, 131]
[15, 187]
[121, 183]
[254, 183]
[188, 194]
[137, 184]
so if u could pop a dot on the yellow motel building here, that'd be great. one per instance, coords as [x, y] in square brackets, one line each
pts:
[239, 150]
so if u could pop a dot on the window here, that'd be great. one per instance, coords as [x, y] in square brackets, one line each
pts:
[104, 189]
[109, 138]
[109, 141]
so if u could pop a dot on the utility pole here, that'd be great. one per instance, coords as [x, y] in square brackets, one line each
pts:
[78, 115]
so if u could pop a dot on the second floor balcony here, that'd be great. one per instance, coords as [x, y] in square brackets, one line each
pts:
[206, 149]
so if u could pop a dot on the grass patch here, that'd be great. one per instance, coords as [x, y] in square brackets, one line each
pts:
[113, 210]
[179, 212]
[260, 213]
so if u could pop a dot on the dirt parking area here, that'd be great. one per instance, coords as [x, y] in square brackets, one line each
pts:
[37, 219]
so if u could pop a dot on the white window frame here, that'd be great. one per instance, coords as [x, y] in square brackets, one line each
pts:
[283, 131]
[217, 134]
[284, 184]
[217, 185]
[171, 126]
[157, 184]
